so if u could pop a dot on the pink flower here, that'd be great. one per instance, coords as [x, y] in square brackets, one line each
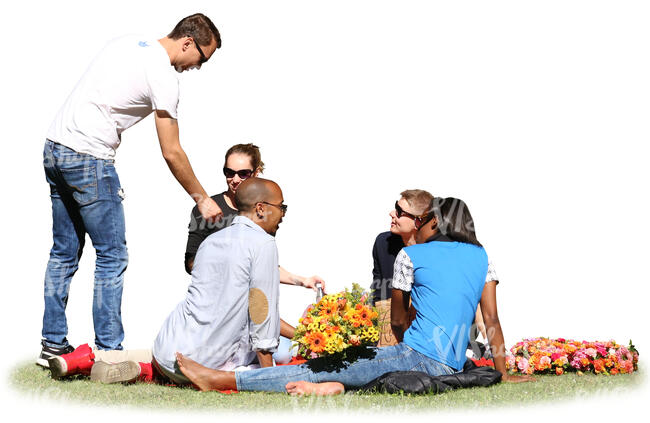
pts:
[546, 361]
[523, 365]
[576, 362]
[591, 352]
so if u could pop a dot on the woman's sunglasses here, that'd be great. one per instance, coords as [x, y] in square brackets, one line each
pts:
[243, 173]
[420, 221]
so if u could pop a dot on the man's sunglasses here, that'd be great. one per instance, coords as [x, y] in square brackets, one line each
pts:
[399, 211]
[282, 207]
[243, 173]
[203, 57]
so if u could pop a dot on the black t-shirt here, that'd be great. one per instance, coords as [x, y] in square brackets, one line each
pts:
[387, 246]
[199, 229]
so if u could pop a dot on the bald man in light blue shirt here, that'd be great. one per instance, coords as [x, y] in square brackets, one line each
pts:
[213, 324]
[230, 315]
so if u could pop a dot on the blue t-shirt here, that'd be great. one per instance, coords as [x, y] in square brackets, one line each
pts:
[448, 280]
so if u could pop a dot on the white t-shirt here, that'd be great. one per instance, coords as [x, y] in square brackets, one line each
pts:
[131, 77]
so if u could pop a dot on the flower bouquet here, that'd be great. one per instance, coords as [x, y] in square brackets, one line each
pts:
[336, 322]
[556, 356]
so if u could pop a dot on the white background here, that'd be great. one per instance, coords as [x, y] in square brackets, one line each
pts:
[535, 113]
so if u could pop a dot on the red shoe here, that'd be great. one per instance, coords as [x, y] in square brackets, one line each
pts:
[79, 361]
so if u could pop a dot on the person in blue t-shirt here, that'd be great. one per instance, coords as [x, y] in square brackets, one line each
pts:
[444, 276]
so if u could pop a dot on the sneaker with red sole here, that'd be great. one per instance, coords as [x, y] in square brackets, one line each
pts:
[79, 361]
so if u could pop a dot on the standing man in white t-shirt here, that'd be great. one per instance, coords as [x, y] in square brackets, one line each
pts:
[129, 79]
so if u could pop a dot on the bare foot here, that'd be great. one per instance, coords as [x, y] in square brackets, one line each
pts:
[308, 388]
[204, 378]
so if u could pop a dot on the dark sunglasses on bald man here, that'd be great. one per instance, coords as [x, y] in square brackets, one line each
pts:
[282, 207]
[243, 173]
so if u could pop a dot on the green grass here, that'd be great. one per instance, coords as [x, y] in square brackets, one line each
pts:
[34, 380]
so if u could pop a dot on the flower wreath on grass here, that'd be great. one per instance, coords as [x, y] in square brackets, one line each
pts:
[556, 356]
[336, 322]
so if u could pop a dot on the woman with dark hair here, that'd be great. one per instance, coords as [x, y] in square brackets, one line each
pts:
[454, 219]
[444, 278]
[456, 222]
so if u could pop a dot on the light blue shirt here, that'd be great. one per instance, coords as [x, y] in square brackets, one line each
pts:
[213, 325]
[446, 280]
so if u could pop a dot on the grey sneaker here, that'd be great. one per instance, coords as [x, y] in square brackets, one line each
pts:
[126, 371]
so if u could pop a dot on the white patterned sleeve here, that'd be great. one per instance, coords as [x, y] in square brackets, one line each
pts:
[491, 273]
[403, 272]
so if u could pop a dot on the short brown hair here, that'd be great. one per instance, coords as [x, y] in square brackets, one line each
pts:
[419, 199]
[252, 151]
[199, 27]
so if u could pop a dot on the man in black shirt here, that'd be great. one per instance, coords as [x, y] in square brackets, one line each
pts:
[413, 202]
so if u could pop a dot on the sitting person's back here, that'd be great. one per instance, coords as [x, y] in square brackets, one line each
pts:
[445, 279]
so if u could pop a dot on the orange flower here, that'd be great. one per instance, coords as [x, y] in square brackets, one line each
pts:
[328, 309]
[330, 330]
[559, 371]
[599, 366]
[317, 341]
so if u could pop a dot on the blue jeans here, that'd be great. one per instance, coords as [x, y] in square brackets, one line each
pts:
[86, 198]
[380, 361]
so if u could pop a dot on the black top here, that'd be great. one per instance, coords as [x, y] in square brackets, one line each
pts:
[387, 246]
[439, 236]
[199, 229]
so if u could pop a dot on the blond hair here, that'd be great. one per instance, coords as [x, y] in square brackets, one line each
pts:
[419, 199]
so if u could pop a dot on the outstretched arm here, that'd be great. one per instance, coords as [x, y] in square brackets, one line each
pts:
[495, 334]
[289, 278]
[174, 155]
